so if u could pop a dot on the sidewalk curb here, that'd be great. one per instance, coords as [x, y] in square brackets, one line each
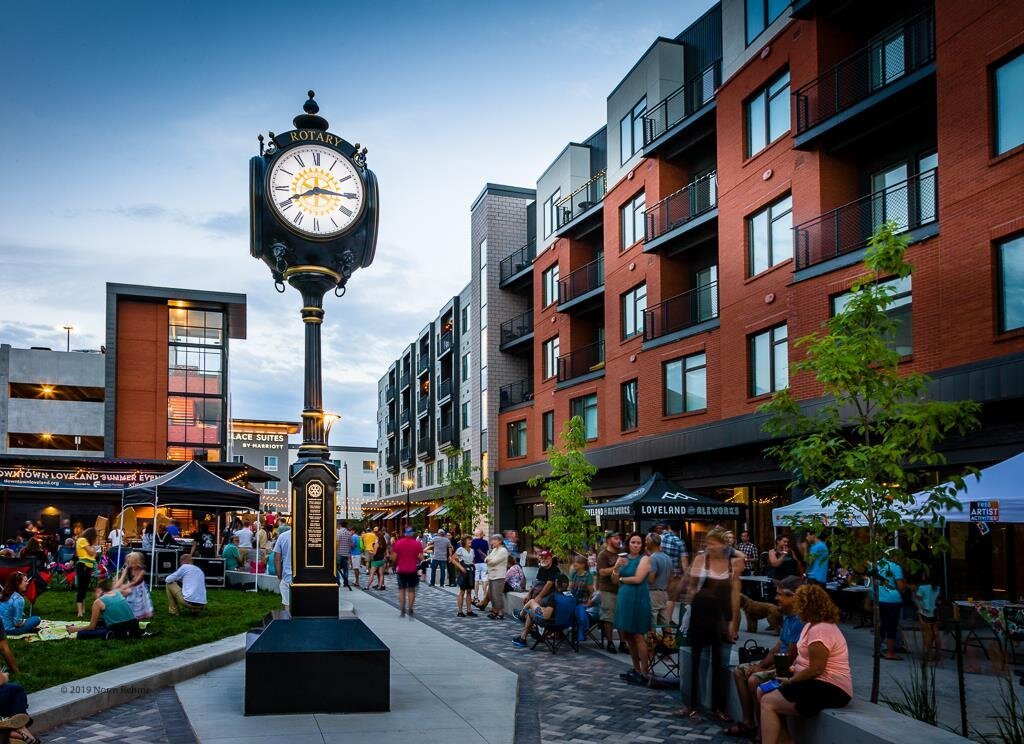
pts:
[81, 698]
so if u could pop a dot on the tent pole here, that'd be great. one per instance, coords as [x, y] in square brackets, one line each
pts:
[256, 550]
[152, 565]
[121, 528]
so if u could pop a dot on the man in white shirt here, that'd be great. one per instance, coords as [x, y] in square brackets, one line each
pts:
[283, 566]
[244, 536]
[186, 588]
[116, 552]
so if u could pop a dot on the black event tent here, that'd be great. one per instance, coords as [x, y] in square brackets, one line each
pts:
[192, 485]
[661, 498]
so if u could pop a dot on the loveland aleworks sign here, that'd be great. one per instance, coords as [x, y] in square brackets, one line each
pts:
[659, 497]
[20, 476]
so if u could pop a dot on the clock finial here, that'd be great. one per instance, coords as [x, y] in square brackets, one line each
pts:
[310, 119]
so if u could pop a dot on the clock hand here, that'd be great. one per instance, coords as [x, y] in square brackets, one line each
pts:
[325, 192]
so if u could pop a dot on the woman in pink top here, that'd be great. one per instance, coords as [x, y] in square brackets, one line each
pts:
[821, 673]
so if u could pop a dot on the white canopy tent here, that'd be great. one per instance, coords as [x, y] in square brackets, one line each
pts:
[994, 497]
[811, 507]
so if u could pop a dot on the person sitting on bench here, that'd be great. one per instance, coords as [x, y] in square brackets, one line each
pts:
[112, 616]
[556, 613]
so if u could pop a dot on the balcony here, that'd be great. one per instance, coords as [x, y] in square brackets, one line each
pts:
[520, 391]
[422, 364]
[424, 445]
[517, 333]
[445, 343]
[691, 312]
[405, 456]
[515, 270]
[581, 211]
[389, 393]
[583, 288]
[391, 461]
[423, 404]
[444, 390]
[389, 426]
[836, 238]
[685, 217]
[874, 75]
[680, 111]
[405, 417]
[584, 363]
[406, 377]
[446, 437]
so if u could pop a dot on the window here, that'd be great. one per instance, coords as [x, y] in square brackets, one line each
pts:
[369, 466]
[483, 283]
[336, 464]
[586, 408]
[270, 487]
[465, 319]
[768, 115]
[629, 407]
[550, 222]
[761, 14]
[549, 286]
[547, 421]
[465, 415]
[270, 463]
[634, 304]
[196, 369]
[899, 312]
[550, 357]
[369, 488]
[769, 361]
[631, 131]
[1011, 284]
[387, 487]
[467, 460]
[631, 217]
[517, 439]
[686, 384]
[235, 458]
[1008, 106]
[895, 198]
[440, 471]
[430, 473]
[770, 236]
[465, 367]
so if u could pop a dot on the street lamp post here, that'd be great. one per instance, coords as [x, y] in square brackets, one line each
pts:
[344, 465]
[69, 329]
[408, 483]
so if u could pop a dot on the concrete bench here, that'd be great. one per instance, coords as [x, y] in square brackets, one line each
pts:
[858, 722]
[514, 601]
[267, 583]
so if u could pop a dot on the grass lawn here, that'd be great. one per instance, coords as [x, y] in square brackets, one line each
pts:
[228, 612]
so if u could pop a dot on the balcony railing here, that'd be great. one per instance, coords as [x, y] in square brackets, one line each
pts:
[517, 327]
[405, 379]
[682, 311]
[422, 364]
[404, 455]
[390, 423]
[423, 403]
[580, 362]
[390, 460]
[682, 102]
[690, 202]
[581, 281]
[867, 71]
[515, 393]
[911, 204]
[424, 444]
[444, 389]
[405, 417]
[584, 198]
[516, 261]
[445, 342]
[390, 392]
[445, 436]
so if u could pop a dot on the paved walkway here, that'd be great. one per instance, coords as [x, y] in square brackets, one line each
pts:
[157, 718]
[568, 698]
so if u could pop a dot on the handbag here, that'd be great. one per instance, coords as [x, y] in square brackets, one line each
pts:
[751, 652]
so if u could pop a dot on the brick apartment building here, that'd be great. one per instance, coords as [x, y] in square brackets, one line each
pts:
[722, 212]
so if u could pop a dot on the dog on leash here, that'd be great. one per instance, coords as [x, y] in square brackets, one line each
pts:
[760, 611]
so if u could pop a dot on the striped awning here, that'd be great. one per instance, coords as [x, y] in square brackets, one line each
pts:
[395, 513]
[417, 511]
[376, 516]
[439, 511]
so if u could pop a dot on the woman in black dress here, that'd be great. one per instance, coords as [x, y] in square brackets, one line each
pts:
[782, 562]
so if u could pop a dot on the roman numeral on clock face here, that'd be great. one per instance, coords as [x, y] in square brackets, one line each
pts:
[345, 210]
[316, 158]
[299, 161]
[297, 219]
[285, 205]
[316, 225]
[280, 188]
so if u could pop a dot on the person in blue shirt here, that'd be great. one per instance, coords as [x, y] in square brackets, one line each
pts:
[557, 611]
[748, 676]
[890, 603]
[12, 606]
[817, 559]
[926, 598]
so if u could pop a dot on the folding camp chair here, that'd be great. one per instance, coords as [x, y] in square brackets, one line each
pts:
[554, 637]
[664, 647]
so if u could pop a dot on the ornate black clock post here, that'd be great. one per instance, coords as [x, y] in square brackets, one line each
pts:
[313, 221]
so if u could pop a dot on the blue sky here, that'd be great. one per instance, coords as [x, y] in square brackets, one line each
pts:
[127, 129]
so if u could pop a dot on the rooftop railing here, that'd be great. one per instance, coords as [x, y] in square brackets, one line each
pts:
[683, 311]
[517, 261]
[582, 280]
[910, 204]
[882, 63]
[675, 210]
[682, 102]
[581, 200]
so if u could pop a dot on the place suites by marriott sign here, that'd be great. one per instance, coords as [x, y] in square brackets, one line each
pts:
[249, 439]
[109, 479]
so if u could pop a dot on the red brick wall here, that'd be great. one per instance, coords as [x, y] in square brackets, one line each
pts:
[141, 379]
[981, 199]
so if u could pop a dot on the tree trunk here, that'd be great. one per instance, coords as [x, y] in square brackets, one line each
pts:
[876, 655]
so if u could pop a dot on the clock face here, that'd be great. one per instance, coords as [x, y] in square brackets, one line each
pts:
[316, 191]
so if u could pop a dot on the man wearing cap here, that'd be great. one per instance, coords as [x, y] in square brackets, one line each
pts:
[406, 553]
[440, 551]
[748, 676]
[673, 547]
[606, 561]
[544, 584]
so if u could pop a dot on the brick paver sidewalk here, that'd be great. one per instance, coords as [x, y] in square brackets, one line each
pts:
[568, 698]
[157, 718]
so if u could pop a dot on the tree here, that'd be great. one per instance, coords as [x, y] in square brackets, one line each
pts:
[466, 498]
[568, 528]
[875, 432]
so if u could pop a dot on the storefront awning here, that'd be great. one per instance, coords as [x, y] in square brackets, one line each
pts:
[417, 511]
[395, 513]
[660, 498]
[376, 516]
[439, 511]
